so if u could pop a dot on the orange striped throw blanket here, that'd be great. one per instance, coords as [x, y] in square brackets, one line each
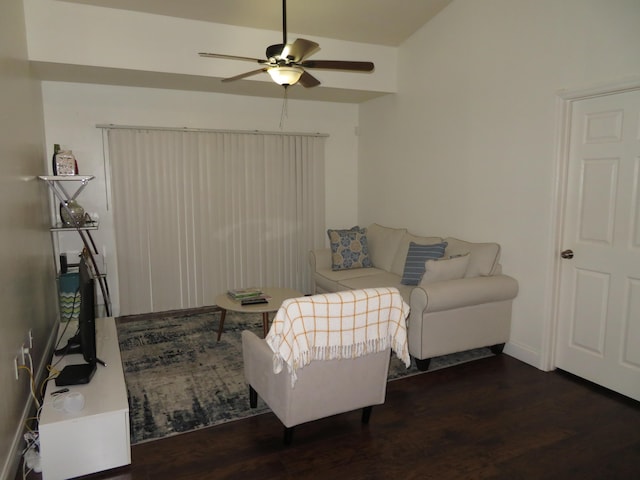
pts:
[345, 324]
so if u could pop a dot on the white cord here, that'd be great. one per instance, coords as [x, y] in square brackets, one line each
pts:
[31, 453]
[32, 383]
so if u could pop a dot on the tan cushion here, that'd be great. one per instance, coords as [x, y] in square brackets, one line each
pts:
[383, 243]
[383, 279]
[449, 268]
[400, 258]
[340, 275]
[484, 256]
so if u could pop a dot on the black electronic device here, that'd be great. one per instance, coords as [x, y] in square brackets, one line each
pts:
[253, 301]
[84, 341]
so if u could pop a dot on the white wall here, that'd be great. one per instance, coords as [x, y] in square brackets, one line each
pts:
[27, 282]
[72, 111]
[467, 146]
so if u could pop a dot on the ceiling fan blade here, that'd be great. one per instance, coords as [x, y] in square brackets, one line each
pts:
[245, 75]
[231, 57]
[300, 49]
[307, 80]
[339, 65]
[274, 51]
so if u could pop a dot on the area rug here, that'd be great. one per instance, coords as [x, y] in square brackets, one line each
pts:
[179, 378]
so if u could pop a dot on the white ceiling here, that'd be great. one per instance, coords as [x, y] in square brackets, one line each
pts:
[380, 22]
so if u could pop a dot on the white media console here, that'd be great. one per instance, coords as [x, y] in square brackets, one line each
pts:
[97, 437]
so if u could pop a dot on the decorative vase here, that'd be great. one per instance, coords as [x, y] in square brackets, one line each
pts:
[71, 214]
[54, 164]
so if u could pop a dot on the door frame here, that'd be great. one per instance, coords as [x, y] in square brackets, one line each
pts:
[565, 100]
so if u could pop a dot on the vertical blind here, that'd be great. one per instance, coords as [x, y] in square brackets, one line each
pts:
[199, 212]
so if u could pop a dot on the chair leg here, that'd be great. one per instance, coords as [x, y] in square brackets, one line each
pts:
[366, 414]
[223, 314]
[288, 435]
[253, 397]
[288, 431]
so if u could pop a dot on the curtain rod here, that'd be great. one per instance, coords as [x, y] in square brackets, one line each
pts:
[112, 126]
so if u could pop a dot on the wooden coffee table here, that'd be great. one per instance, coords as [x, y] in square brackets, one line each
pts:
[278, 295]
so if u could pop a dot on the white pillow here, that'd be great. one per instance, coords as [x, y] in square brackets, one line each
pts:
[383, 243]
[449, 268]
[485, 256]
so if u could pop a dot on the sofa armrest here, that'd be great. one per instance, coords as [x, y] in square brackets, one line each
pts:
[320, 259]
[463, 292]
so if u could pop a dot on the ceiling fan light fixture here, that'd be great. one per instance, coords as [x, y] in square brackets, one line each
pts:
[285, 75]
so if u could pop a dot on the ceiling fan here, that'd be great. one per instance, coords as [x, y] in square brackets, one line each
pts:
[286, 63]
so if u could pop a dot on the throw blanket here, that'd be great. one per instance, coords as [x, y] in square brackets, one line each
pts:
[338, 325]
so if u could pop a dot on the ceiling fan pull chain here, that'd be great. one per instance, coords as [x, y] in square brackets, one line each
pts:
[285, 105]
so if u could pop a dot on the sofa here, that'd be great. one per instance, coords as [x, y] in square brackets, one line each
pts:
[458, 296]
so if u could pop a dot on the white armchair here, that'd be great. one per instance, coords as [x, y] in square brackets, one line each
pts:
[336, 349]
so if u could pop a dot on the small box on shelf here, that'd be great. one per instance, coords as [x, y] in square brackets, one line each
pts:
[69, 296]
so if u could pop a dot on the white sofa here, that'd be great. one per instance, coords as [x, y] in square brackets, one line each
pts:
[447, 316]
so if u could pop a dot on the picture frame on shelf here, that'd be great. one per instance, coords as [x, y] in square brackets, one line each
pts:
[66, 163]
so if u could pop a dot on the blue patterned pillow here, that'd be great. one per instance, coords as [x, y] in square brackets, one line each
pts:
[416, 257]
[349, 249]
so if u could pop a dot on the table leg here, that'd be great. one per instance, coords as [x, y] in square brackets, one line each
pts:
[265, 323]
[223, 314]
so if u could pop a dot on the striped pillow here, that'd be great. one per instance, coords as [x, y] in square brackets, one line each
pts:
[416, 257]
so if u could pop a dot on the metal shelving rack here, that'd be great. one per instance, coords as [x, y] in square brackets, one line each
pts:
[58, 185]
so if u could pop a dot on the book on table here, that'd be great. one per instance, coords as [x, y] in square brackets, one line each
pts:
[244, 293]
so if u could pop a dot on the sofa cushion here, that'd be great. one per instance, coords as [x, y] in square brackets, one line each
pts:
[400, 258]
[416, 258]
[383, 244]
[349, 249]
[448, 268]
[328, 280]
[484, 256]
[382, 279]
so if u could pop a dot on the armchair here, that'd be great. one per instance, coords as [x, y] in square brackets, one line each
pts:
[336, 348]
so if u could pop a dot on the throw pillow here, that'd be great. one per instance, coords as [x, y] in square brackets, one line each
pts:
[450, 268]
[484, 256]
[349, 249]
[416, 258]
[400, 257]
[383, 243]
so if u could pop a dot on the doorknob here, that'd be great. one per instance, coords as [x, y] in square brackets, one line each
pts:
[567, 254]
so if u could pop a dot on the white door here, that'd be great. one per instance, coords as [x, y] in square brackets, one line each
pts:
[599, 321]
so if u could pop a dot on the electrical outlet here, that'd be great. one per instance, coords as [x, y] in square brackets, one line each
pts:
[24, 351]
[20, 360]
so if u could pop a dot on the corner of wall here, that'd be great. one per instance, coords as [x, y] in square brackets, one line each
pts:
[523, 353]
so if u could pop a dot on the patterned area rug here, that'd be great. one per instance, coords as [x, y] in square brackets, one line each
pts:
[179, 378]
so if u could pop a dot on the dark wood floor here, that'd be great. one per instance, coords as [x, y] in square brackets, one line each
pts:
[495, 418]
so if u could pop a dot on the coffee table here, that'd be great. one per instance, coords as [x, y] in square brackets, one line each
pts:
[278, 295]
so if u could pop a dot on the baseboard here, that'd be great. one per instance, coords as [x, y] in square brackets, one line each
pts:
[523, 353]
[12, 463]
